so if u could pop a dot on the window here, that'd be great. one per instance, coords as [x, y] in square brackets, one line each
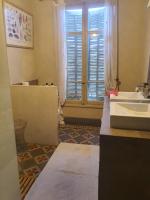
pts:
[85, 54]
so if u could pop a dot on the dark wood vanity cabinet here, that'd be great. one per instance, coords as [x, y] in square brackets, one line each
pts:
[124, 163]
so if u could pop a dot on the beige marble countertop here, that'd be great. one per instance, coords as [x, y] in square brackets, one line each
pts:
[106, 130]
[71, 174]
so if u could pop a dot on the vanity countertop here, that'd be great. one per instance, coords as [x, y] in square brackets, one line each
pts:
[107, 131]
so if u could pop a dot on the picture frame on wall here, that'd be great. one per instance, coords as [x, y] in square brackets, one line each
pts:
[18, 27]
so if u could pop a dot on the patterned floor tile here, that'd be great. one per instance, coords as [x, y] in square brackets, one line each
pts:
[32, 171]
[80, 139]
[64, 137]
[32, 147]
[32, 158]
[25, 184]
[74, 135]
[48, 149]
[28, 164]
[88, 136]
[36, 152]
[71, 141]
[40, 159]
[24, 156]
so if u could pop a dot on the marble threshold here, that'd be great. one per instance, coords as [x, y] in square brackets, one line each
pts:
[71, 174]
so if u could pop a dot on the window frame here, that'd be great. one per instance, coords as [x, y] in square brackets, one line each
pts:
[84, 99]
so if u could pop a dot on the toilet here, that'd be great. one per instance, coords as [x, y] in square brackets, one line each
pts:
[20, 126]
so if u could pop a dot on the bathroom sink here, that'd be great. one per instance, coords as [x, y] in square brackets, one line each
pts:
[126, 115]
[129, 97]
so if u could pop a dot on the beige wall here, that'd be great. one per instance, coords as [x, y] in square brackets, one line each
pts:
[9, 184]
[44, 42]
[28, 64]
[21, 61]
[147, 41]
[40, 62]
[131, 42]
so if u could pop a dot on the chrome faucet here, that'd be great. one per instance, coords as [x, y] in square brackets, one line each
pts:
[146, 91]
[140, 88]
[144, 88]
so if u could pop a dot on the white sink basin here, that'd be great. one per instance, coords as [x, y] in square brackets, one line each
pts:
[125, 115]
[129, 97]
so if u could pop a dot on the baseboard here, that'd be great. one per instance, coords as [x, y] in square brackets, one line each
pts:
[82, 121]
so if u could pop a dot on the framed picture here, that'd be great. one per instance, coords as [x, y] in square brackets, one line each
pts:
[19, 27]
